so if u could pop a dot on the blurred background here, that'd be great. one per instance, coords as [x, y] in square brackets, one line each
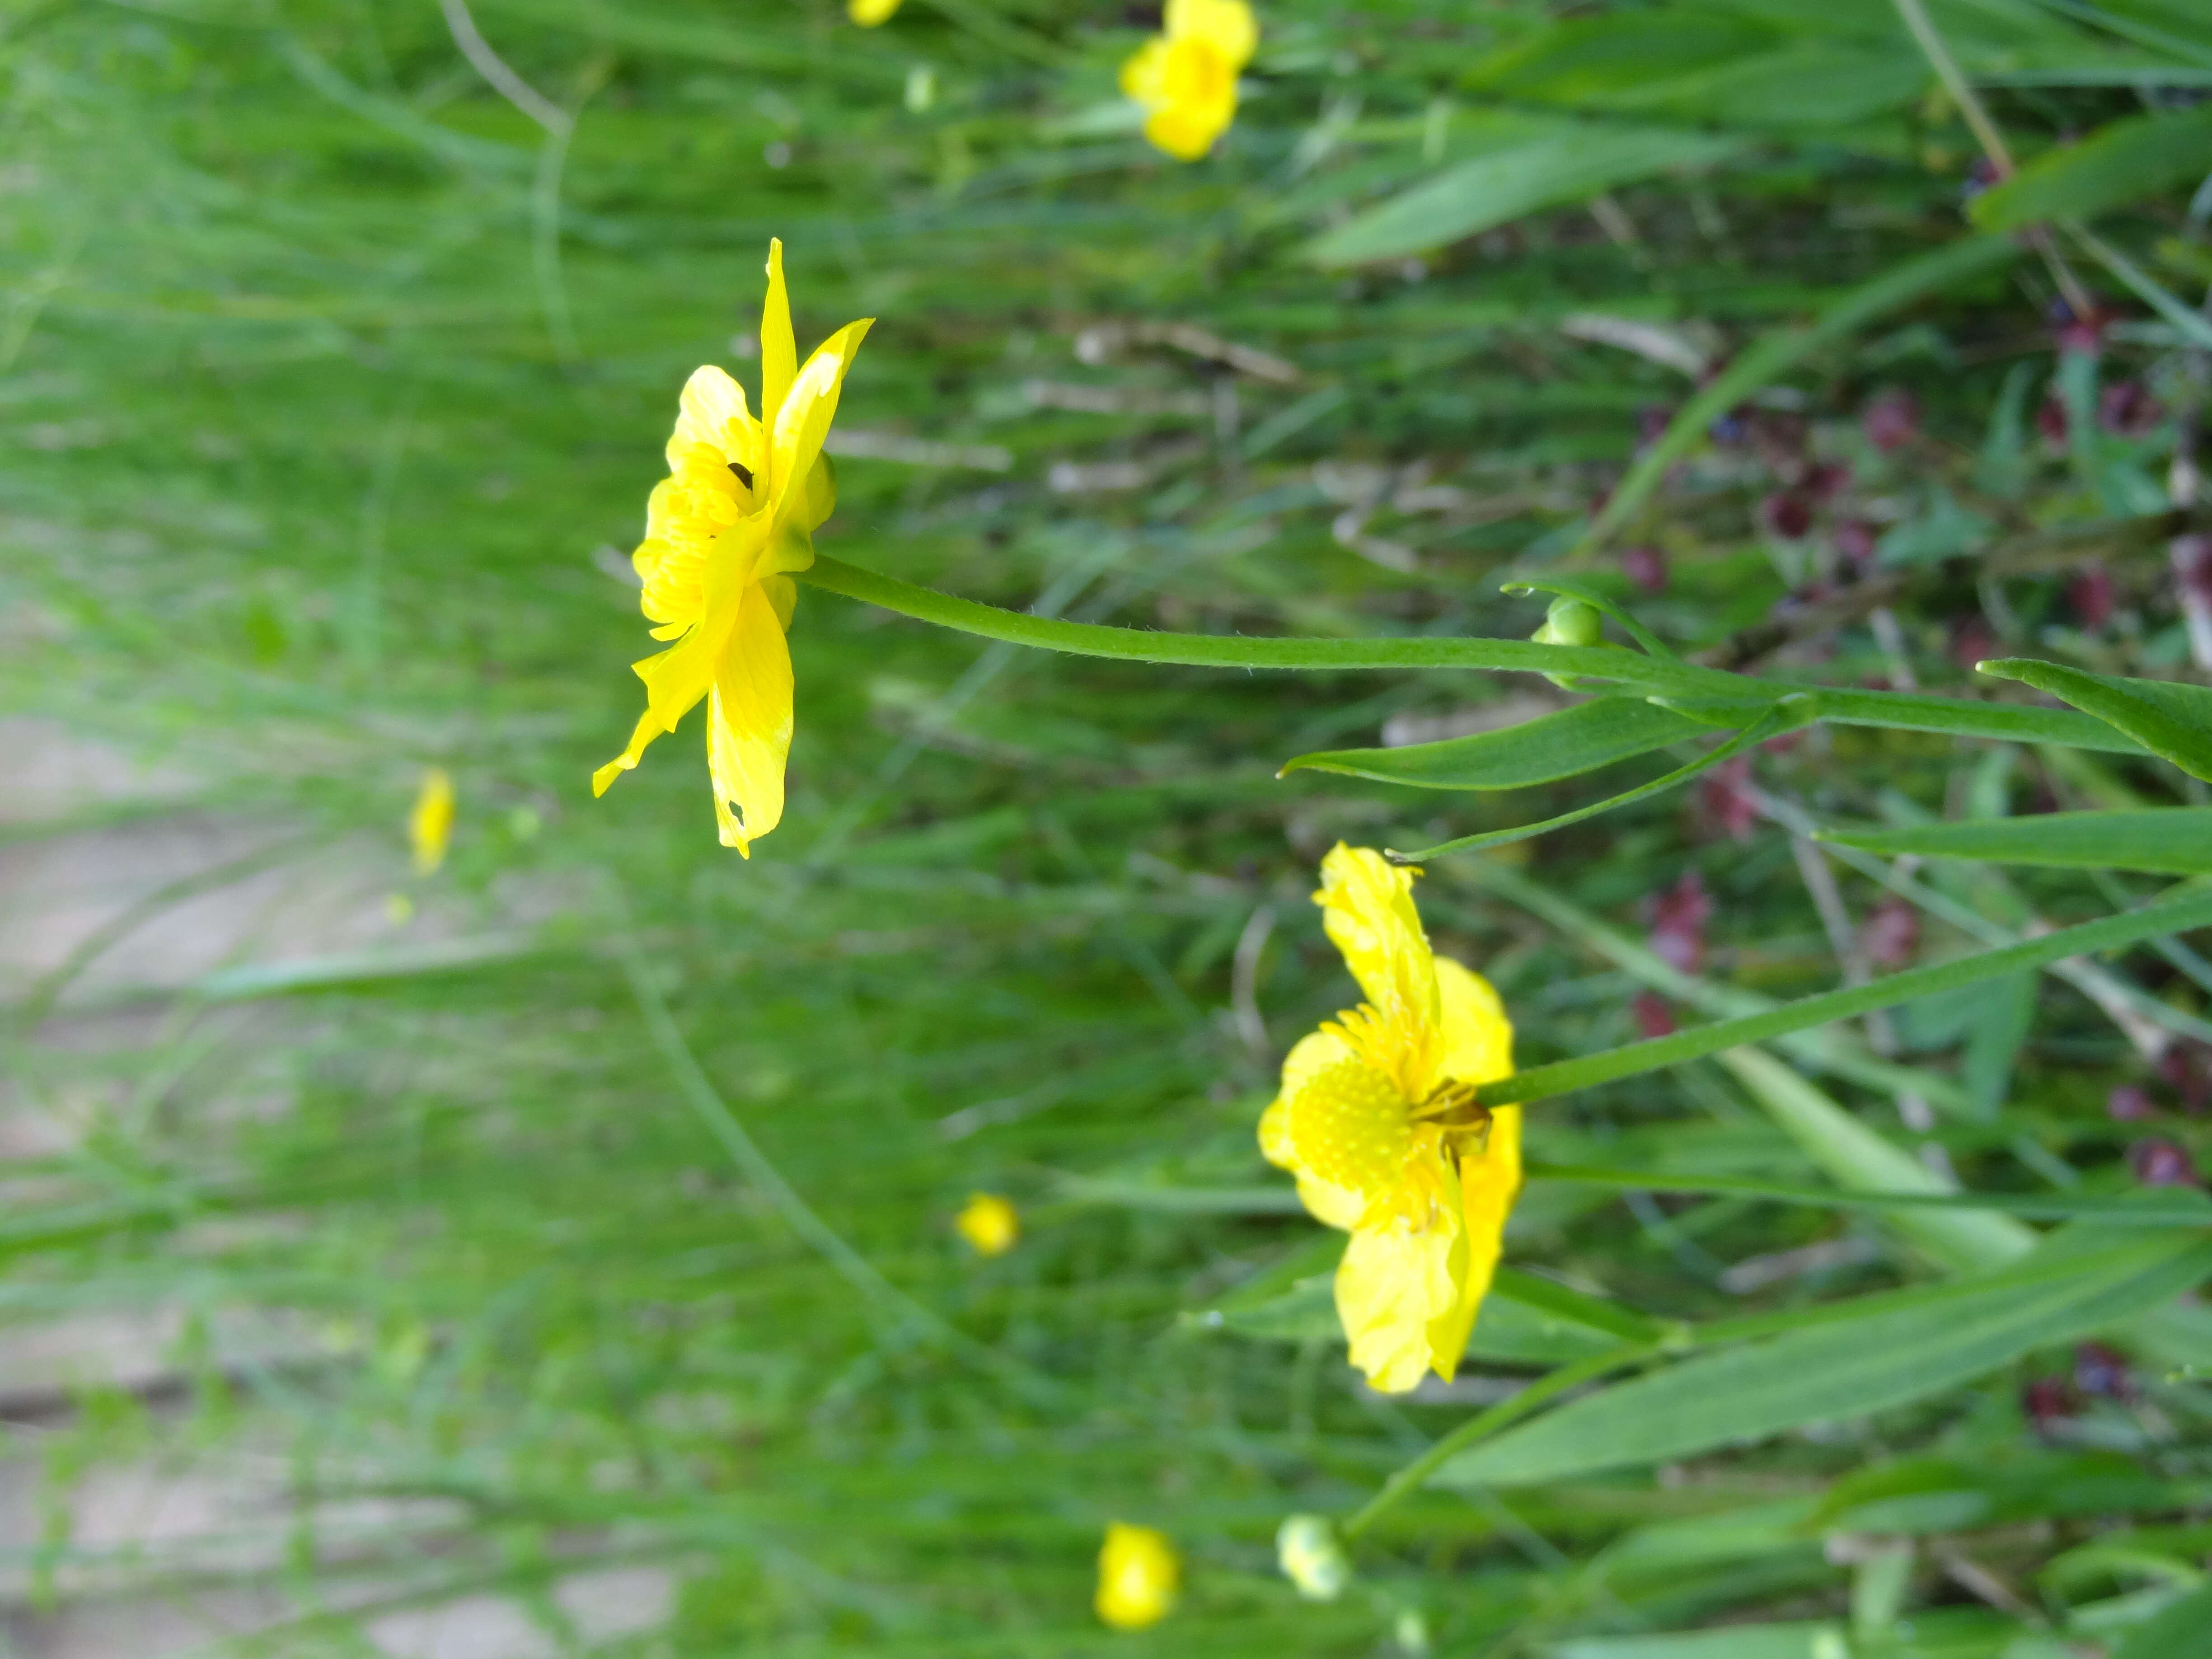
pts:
[553, 1252]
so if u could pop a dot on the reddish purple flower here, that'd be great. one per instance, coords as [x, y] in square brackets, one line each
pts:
[2130, 1103]
[2102, 1373]
[1972, 640]
[2089, 595]
[1678, 917]
[1857, 544]
[2186, 1068]
[1891, 419]
[2082, 332]
[2159, 1162]
[2192, 566]
[2052, 423]
[2127, 408]
[1653, 1019]
[1890, 934]
[1787, 513]
[1823, 479]
[1646, 565]
[1725, 804]
[2046, 1402]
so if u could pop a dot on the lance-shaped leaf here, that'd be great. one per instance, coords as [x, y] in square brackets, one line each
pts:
[2167, 840]
[2174, 722]
[2119, 163]
[1905, 1347]
[1541, 750]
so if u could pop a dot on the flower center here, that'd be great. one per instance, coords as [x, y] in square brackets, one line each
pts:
[1349, 1128]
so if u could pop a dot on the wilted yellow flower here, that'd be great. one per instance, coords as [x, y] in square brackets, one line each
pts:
[430, 823]
[870, 13]
[1138, 1573]
[1186, 76]
[1312, 1557]
[1378, 1119]
[736, 514]
[989, 1223]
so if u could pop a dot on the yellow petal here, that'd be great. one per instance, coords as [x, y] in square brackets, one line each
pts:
[647, 729]
[802, 422]
[430, 825]
[674, 680]
[1137, 1576]
[1229, 27]
[1398, 1290]
[1144, 75]
[749, 721]
[1367, 907]
[1490, 1180]
[871, 14]
[713, 412]
[1478, 1038]
[1184, 131]
[779, 351]
[821, 497]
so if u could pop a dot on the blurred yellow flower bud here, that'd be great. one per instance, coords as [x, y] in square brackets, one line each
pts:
[869, 14]
[989, 1223]
[430, 825]
[1312, 1558]
[1138, 1572]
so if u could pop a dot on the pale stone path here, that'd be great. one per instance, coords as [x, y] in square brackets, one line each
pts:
[86, 837]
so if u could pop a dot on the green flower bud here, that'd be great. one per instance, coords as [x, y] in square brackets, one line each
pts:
[1312, 1558]
[1571, 621]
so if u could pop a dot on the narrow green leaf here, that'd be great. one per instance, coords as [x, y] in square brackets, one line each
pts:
[2174, 1631]
[252, 980]
[1842, 1369]
[1552, 746]
[2123, 162]
[1856, 1157]
[1789, 1641]
[1509, 1331]
[2173, 721]
[1591, 1312]
[2184, 319]
[1782, 717]
[2169, 840]
[1506, 185]
[1966, 717]
[2166, 915]
[2177, 1207]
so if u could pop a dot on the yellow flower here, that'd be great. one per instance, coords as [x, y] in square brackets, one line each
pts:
[1378, 1119]
[1186, 77]
[430, 824]
[868, 14]
[1138, 1573]
[735, 515]
[989, 1223]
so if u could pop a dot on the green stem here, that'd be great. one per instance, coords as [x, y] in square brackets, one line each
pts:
[1236, 651]
[1502, 1414]
[1768, 723]
[2172, 915]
